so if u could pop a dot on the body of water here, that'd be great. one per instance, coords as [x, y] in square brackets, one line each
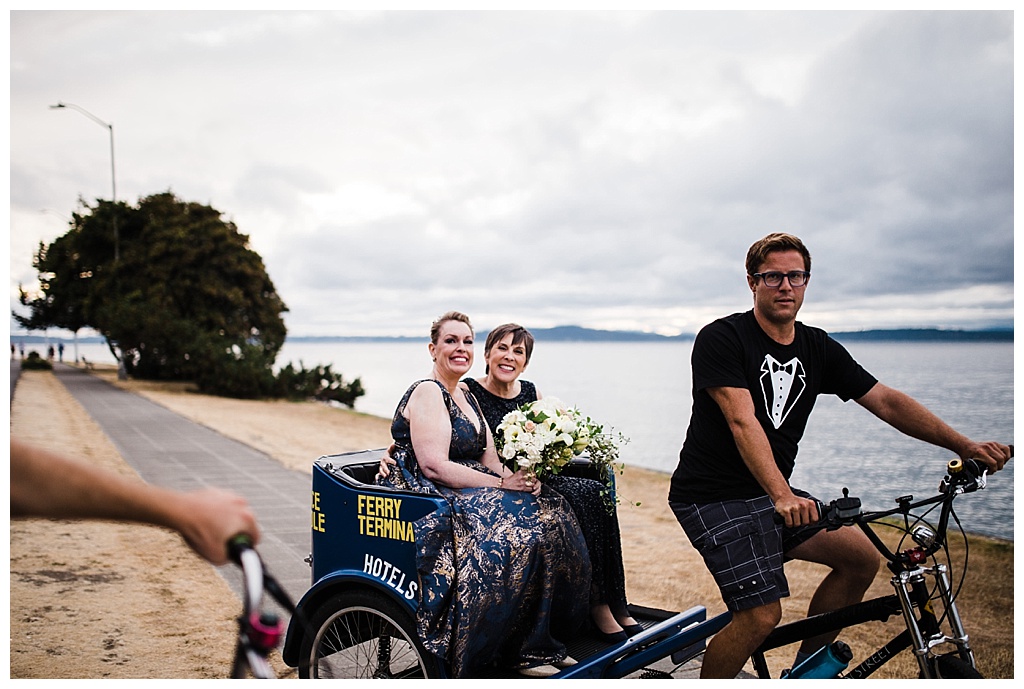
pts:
[643, 391]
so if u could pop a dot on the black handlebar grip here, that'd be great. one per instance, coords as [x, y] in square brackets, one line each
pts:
[236, 545]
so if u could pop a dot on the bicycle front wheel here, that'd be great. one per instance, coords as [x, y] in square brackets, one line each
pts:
[364, 634]
[954, 667]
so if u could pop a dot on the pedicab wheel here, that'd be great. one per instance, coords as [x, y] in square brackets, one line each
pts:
[364, 634]
[954, 667]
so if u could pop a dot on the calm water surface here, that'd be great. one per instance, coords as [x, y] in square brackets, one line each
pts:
[643, 391]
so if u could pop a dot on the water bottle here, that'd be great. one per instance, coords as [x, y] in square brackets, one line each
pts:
[825, 663]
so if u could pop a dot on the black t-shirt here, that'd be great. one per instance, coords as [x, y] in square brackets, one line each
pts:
[783, 380]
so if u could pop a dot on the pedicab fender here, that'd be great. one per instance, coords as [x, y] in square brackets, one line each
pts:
[322, 590]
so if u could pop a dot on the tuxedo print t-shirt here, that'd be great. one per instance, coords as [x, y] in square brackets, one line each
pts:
[784, 382]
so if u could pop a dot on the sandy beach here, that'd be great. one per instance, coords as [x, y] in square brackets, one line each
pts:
[101, 600]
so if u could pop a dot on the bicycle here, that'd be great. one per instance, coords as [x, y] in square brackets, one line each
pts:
[912, 598]
[361, 605]
[260, 631]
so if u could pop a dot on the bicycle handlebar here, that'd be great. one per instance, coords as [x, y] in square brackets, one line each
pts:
[259, 631]
[962, 475]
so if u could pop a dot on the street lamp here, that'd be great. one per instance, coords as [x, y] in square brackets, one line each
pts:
[113, 178]
[122, 374]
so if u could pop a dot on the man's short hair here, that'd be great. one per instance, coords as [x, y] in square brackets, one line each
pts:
[777, 241]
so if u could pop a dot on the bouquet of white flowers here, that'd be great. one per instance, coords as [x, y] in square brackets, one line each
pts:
[543, 436]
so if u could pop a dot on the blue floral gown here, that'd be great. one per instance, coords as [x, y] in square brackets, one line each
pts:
[503, 574]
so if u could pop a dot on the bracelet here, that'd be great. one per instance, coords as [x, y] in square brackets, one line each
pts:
[501, 480]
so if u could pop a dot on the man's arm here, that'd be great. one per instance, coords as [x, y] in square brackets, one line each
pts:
[907, 415]
[738, 408]
[48, 485]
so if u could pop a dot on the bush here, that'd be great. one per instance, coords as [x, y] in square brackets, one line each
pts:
[319, 383]
[35, 362]
[241, 372]
[246, 372]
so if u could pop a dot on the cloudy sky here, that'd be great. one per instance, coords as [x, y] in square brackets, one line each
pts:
[601, 169]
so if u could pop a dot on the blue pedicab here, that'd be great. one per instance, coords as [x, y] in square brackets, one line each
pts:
[358, 620]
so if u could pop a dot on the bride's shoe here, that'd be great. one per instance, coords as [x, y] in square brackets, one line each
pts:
[539, 671]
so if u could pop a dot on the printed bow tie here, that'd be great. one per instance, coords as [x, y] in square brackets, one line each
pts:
[787, 368]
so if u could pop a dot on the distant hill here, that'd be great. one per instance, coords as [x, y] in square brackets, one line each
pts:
[926, 335]
[575, 333]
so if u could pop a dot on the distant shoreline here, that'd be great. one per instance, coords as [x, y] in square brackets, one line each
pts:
[578, 334]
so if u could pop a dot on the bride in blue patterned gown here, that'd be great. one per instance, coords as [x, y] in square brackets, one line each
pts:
[505, 571]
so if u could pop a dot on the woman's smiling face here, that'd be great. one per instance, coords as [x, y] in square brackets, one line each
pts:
[453, 351]
[506, 360]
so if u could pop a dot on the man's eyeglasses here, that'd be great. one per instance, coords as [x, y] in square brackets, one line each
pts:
[797, 278]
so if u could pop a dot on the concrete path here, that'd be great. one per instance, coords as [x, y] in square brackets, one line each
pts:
[172, 451]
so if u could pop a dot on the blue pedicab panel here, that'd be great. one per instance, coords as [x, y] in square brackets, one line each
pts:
[364, 529]
[362, 535]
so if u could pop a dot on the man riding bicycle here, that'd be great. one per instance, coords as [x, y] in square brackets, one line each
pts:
[755, 379]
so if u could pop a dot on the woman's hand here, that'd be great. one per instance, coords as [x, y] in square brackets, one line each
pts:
[522, 481]
[386, 462]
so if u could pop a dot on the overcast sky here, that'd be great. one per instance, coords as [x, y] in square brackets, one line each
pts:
[607, 170]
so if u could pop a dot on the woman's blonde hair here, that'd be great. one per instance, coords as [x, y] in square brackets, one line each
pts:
[435, 327]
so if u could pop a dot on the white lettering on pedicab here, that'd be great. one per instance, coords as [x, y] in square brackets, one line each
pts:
[390, 575]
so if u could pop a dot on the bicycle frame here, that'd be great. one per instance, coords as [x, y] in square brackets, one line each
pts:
[911, 599]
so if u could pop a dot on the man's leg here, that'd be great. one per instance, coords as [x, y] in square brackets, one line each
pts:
[854, 563]
[729, 649]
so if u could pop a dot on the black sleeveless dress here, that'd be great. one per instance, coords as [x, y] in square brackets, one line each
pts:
[600, 524]
[501, 571]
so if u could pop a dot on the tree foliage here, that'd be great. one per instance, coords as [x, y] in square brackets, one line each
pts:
[184, 291]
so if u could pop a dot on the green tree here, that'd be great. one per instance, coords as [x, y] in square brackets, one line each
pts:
[186, 292]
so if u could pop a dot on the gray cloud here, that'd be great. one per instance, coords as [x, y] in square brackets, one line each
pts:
[607, 170]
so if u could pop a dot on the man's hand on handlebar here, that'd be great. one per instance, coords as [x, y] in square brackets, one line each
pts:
[992, 454]
[796, 511]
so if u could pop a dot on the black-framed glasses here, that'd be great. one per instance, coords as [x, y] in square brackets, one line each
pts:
[773, 279]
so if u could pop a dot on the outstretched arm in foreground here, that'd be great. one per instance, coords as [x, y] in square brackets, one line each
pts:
[46, 484]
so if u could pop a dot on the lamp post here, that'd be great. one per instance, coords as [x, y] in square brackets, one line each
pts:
[122, 373]
[113, 177]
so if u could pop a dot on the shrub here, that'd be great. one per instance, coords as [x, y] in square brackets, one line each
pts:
[246, 372]
[319, 383]
[241, 372]
[35, 362]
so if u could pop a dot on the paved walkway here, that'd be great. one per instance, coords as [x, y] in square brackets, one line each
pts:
[170, 450]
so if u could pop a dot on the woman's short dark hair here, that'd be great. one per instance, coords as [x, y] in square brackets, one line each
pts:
[435, 327]
[520, 335]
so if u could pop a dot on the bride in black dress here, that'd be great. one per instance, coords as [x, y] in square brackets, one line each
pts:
[507, 352]
[501, 570]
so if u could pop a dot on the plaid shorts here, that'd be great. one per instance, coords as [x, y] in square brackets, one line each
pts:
[743, 547]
